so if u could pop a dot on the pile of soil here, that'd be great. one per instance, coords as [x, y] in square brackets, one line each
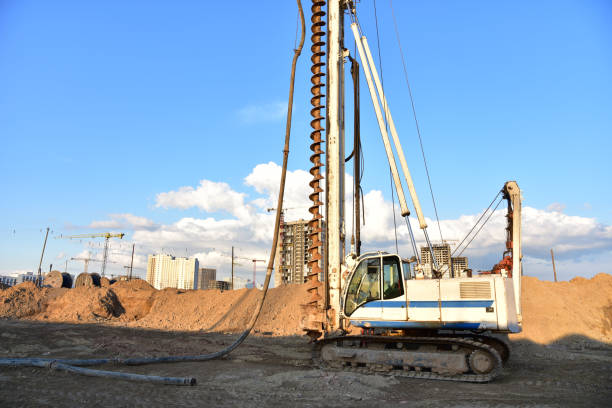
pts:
[136, 298]
[551, 311]
[83, 304]
[22, 300]
[229, 311]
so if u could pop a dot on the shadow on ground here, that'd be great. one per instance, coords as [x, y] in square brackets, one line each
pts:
[279, 371]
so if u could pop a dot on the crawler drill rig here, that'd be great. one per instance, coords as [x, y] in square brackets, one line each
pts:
[423, 325]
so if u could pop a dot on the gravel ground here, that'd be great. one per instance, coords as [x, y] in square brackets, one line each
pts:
[278, 371]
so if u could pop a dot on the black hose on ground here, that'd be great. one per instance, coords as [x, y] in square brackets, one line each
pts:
[62, 365]
[73, 365]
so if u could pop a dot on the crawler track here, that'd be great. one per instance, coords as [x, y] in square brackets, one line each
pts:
[468, 347]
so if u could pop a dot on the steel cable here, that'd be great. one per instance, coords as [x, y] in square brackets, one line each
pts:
[482, 226]
[418, 129]
[476, 224]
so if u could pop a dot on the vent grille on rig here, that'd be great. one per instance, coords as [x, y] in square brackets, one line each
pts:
[475, 290]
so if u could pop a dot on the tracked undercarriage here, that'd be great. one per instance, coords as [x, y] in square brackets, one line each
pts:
[469, 358]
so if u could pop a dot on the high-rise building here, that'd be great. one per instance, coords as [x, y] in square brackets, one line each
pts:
[450, 267]
[459, 264]
[291, 263]
[442, 254]
[166, 271]
[206, 275]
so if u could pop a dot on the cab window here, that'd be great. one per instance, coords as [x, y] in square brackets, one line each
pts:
[364, 286]
[392, 282]
[408, 270]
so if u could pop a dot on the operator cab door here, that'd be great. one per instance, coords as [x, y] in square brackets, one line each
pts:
[394, 297]
[363, 294]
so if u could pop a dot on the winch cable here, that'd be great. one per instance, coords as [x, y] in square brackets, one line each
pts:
[482, 226]
[477, 223]
[416, 122]
[382, 80]
[70, 365]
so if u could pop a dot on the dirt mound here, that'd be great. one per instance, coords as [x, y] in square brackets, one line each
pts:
[229, 311]
[551, 311]
[83, 304]
[581, 306]
[22, 300]
[135, 297]
[134, 284]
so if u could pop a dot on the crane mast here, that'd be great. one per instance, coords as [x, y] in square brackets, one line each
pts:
[106, 236]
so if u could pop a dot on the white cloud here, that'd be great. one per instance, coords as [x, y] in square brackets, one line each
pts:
[579, 242]
[209, 196]
[123, 221]
[14, 272]
[265, 112]
[265, 179]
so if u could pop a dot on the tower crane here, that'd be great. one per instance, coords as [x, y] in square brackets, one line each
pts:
[255, 270]
[86, 262]
[106, 236]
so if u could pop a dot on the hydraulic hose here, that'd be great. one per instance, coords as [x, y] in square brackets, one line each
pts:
[63, 365]
[72, 365]
[279, 206]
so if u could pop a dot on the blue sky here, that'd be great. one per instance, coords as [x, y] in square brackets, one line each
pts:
[105, 105]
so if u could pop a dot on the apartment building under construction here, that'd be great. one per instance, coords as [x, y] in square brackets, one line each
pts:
[449, 266]
[291, 263]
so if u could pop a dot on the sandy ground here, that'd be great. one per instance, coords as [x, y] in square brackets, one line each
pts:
[563, 358]
[279, 371]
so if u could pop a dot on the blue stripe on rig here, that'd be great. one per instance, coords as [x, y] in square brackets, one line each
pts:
[413, 325]
[386, 303]
[451, 303]
[428, 303]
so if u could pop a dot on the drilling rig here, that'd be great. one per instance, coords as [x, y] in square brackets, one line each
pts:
[413, 324]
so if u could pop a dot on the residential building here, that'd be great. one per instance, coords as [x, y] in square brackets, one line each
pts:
[449, 266]
[8, 280]
[205, 276]
[167, 271]
[291, 263]
[221, 285]
[459, 265]
[28, 277]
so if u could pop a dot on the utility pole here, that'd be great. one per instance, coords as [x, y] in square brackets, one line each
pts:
[232, 268]
[131, 263]
[552, 255]
[66, 267]
[38, 283]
